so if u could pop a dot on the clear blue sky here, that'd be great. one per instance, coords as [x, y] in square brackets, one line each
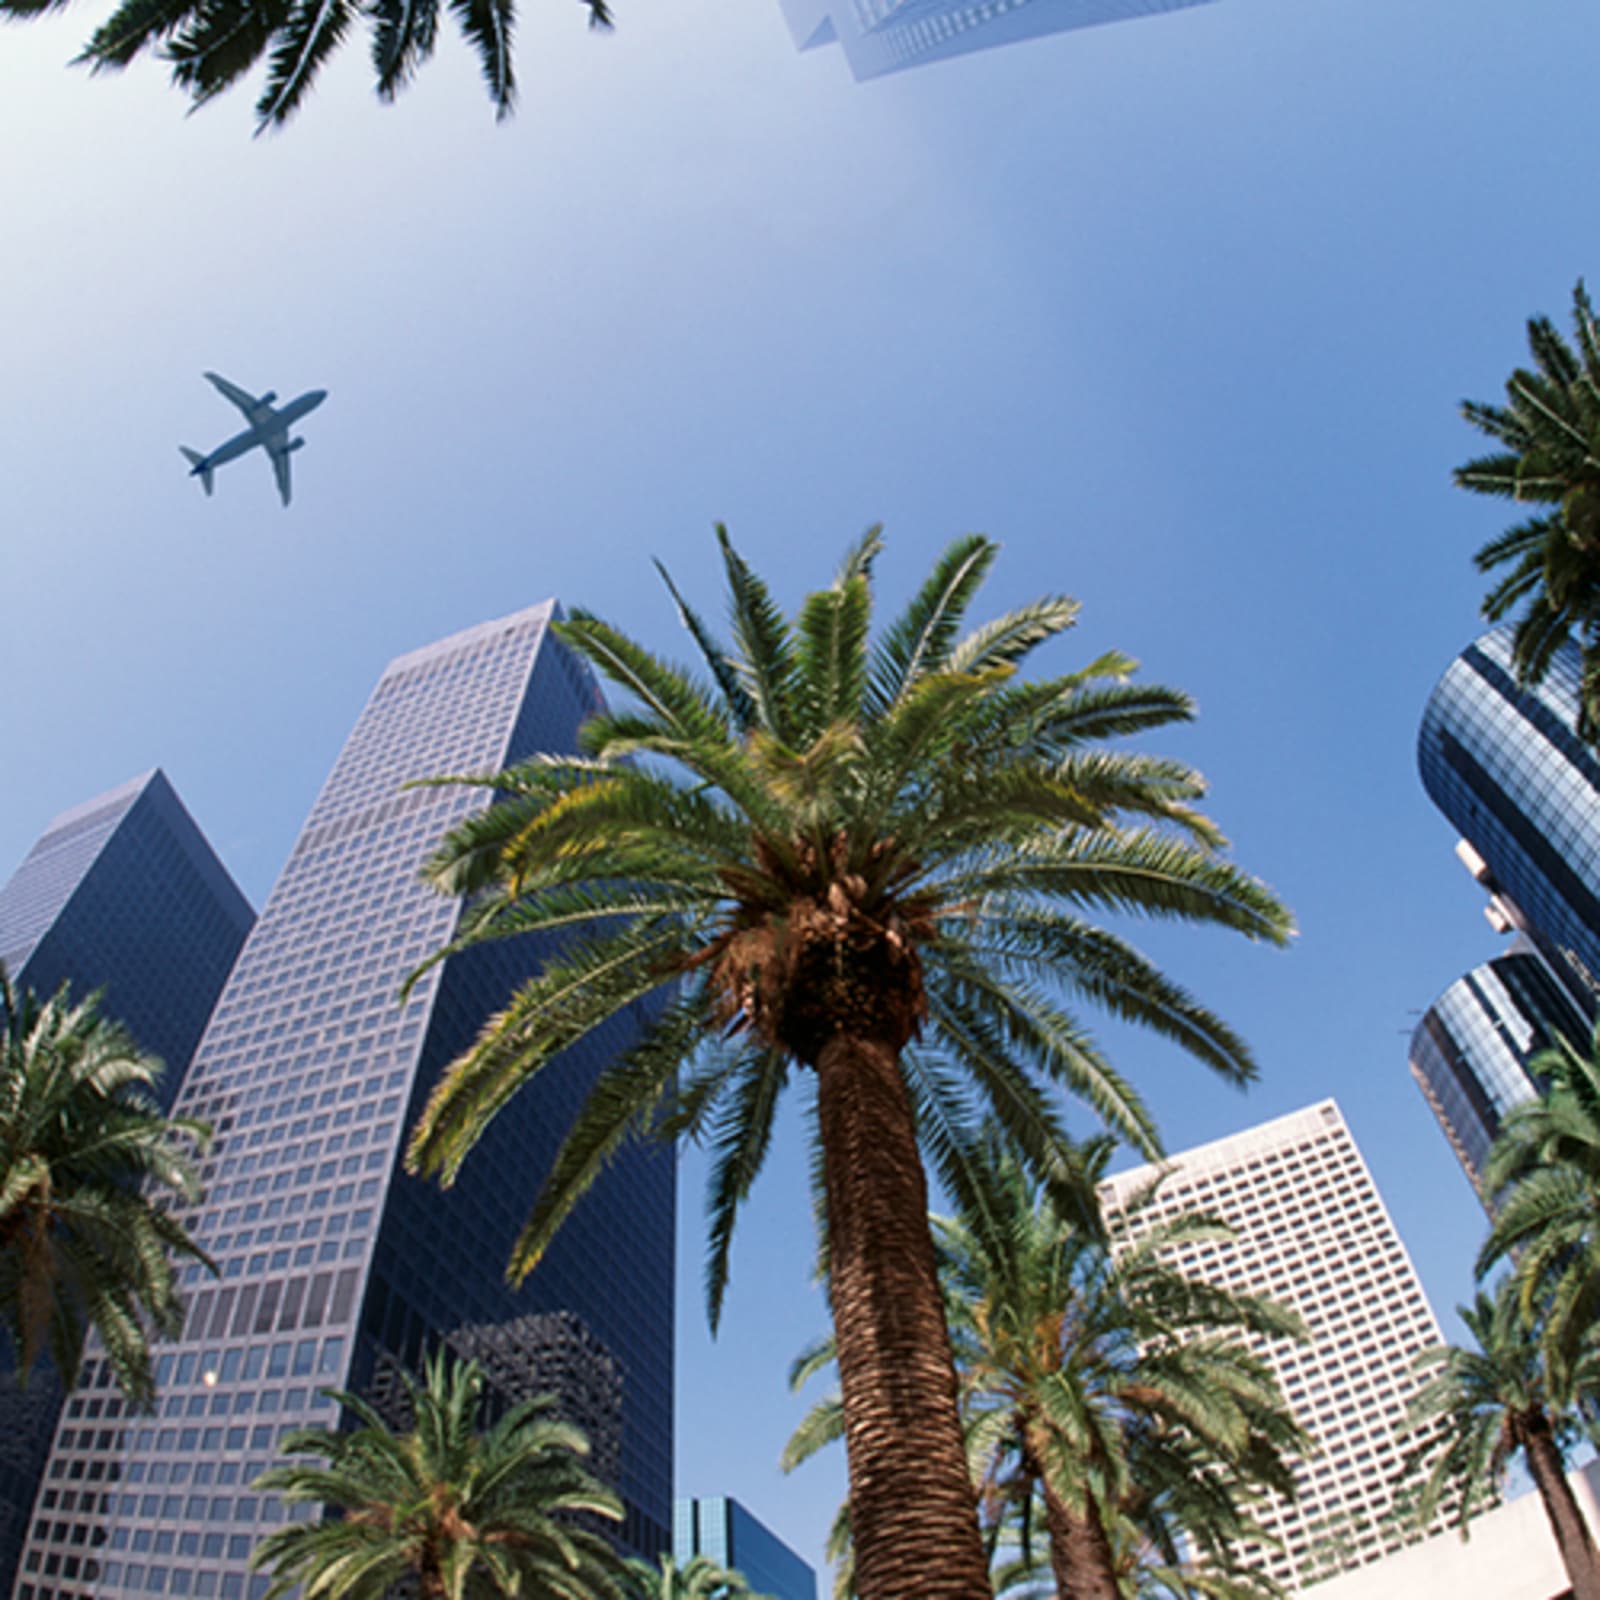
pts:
[1179, 309]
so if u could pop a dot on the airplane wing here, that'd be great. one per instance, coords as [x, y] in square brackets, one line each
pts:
[278, 449]
[254, 410]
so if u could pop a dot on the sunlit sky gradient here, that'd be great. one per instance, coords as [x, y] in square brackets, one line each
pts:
[1178, 309]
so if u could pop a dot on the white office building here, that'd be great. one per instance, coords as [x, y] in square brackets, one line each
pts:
[1313, 1233]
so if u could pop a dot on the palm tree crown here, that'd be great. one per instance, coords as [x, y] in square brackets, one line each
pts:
[698, 1578]
[86, 1158]
[211, 44]
[1480, 1407]
[1550, 430]
[1542, 1178]
[462, 1514]
[1100, 1373]
[830, 849]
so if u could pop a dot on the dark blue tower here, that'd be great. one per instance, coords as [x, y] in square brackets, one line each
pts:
[125, 895]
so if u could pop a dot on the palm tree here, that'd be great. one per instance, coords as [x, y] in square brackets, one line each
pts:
[211, 44]
[1542, 1179]
[1104, 1374]
[1101, 1385]
[86, 1160]
[827, 851]
[1550, 430]
[699, 1578]
[461, 1514]
[1484, 1405]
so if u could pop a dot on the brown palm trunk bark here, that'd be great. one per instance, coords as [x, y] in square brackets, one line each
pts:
[1573, 1538]
[1080, 1553]
[913, 1513]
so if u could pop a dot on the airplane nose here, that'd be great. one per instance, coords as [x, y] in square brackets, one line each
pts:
[318, 396]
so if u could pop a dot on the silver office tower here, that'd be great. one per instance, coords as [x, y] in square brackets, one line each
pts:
[880, 36]
[1312, 1231]
[336, 1266]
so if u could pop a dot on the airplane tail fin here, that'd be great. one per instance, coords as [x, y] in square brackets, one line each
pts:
[198, 466]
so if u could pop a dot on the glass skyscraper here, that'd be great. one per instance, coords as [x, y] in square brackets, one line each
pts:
[1505, 767]
[880, 36]
[1470, 1052]
[122, 894]
[336, 1266]
[722, 1530]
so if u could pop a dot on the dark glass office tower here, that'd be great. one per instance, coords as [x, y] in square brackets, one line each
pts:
[1503, 764]
[124, 894]
[1470, 1052]
[335, 1265]
[722, 1530]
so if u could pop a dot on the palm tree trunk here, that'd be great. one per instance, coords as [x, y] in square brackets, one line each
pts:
[913, 1512]
[1573, 1538]
[1080, 1553]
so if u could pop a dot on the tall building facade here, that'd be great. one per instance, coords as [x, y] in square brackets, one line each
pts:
[722, 1530]
[335, 1265]
[881, 36]
[1505, 767]
[1470, 1054]
[1312, 1232]
[121, 894]
[124, 894]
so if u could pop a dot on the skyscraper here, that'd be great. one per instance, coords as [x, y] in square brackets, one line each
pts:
[335, 1264]
[1505, 767]
[722, 1530]
[880, 36]
[123, 894]
[1470, 1052]
[1313, 1233]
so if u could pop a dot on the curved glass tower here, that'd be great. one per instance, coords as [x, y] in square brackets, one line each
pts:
[1505, 766]
[1470, 1052]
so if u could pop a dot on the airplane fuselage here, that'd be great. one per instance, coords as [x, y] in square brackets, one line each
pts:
[268, 430]
[279, 420]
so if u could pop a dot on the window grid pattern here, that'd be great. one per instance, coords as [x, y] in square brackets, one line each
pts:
[1504, 765]
[307, 1073]
[1314, 1234]
[121, 894]
[1470, 1052]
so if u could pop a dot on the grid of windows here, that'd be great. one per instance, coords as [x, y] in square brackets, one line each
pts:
[330, 1258]
[880, 36]
[121, 894]
[1313, 1233]
[1505, 766]
[1470, 1052]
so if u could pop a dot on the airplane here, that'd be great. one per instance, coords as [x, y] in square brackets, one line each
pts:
[269, 428]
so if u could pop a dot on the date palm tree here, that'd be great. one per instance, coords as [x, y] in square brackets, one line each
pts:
[1549, 430]
[1481, 1407]
[698, 1578]
[826, 851]
[1102, 1373]
[461, 1514]
[211, 44]
[1104, 1391]
[87, 1160]
[1542, 1178]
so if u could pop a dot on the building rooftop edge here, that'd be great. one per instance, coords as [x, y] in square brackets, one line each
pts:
[544, 611]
